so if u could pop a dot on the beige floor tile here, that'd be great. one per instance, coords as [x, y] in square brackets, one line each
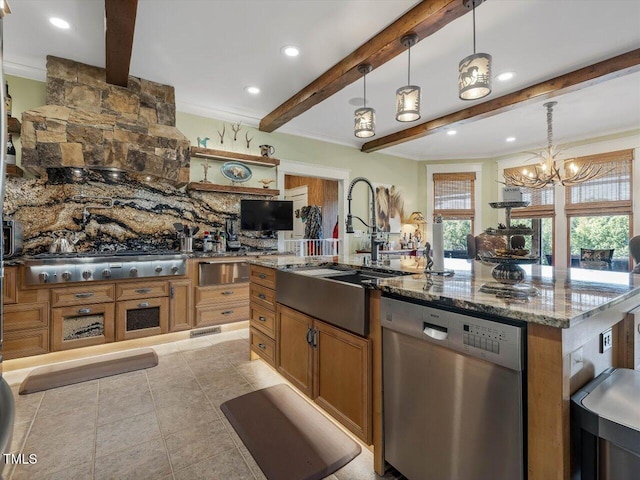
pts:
[217, 396]
[193, 343]
[76, 472]
[259, 374]
[147, 460]
[221, 379]
[229, 465]
[165, 349]
[360, 468]
[20, 431]
[71, 397]
[225, 337]
[208, 365]
[160, 375]
[50, 427]
[26, 405]
[193, 445]
[181, 391]
[197, 356]
[70, 450]
[185, 416]
[119, 383]
[129, 432]
[117, 407]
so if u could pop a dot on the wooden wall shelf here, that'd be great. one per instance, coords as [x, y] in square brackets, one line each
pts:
[14, 125]
[212, 187]
[14, 171]
[200, 152]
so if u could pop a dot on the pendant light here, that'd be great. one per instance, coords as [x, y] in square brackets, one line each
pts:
[408, 97]
[365, 118]
[474, 71]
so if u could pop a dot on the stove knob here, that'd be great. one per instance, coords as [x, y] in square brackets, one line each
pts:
[174, 269]
[133, 272]
[66, 276]
[158, 269]
[86, 274]
[44, 277]
[106, 273]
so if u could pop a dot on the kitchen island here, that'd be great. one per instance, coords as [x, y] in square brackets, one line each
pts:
[564, 325]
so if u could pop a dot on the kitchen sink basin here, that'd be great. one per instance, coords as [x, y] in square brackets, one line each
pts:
[357, 277]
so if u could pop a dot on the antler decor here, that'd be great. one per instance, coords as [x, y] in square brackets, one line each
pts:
[248, 140]
[221, 134]
[235, 127]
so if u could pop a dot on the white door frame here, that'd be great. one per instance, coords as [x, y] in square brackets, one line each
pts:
[342, 175]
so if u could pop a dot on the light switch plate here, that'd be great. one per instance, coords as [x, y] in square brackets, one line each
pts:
[606, 340]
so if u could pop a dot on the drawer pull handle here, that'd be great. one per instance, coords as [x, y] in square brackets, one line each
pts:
[84, 311]
[227, 293]
[227, 312]
[262, 319]
[262, 276]
[143, 290]
[262, 296]
[262, 346]
[143, 304]
[84, 295]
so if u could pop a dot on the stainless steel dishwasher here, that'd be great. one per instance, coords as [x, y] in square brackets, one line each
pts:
[453, 394]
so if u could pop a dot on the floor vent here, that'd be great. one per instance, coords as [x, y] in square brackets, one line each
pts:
[204, 331]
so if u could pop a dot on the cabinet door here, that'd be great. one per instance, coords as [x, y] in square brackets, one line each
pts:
[342, 377]
[10, 289]
[294, 354]
[180, 305]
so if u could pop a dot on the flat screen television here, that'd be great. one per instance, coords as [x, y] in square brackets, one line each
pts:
[266, 215]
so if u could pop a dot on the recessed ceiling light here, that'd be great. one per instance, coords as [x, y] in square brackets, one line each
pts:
[58, 22]
[451, 132]
[503, 77]
[510, 139]
[290, 51]
[252, 90]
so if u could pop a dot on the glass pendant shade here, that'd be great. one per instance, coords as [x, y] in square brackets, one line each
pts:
[365, 122]
[408, 103]
[474, 76]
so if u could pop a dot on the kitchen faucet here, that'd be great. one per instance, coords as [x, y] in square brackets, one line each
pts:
[373, 228]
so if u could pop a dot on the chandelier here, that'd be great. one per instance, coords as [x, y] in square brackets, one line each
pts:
[547, 172]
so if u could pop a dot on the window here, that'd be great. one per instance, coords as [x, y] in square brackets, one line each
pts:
[599, 211]
[538, 215]
[454, 199]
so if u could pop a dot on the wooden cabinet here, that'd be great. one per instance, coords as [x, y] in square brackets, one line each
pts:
[26, 330]
[222, 304]
[138, 290]
[82, 325]
[264, 344]
[26, 316]
[180, 305]
[262, 312]
[25, 343]
[10, 286]
[67, 296]
[142, 317]
[263, 276]
[331, 366]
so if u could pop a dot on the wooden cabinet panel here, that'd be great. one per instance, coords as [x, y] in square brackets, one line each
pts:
[26, 316]
[261, 296]
[223, 293]
[264, 320]
[263, 346]
[133, 291]
[180, 305]
[263, 276]
[157, 307]
[342, 380]
[25, 343]
[10, 286]
[219, 314]
[294, 357]
[62, 297]
[80, 317]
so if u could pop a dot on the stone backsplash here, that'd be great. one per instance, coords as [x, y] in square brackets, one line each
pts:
[142, 215]
[90, 123]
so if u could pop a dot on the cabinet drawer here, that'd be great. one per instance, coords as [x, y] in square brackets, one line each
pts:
[25, 316]
[82, 326]
[263, 276]
[222, 293]
[216, 315]
[10, 287]
[62, 297]
[263, 346]
[133, 291]
[264, 297]
[264, 320]
[25, 343]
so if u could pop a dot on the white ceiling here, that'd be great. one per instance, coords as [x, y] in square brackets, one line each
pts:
[211, 49]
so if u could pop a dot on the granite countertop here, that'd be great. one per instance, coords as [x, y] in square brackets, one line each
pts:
[566, 296]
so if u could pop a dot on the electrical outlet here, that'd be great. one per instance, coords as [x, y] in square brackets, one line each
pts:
[606, 340]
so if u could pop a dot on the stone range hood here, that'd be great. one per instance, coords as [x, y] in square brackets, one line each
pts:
[88, 123]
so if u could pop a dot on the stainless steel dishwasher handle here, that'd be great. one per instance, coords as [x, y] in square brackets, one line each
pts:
[435, 331]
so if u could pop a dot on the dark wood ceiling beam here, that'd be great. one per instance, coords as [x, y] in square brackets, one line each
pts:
[424, 19]
[120, 25]
[570, 82]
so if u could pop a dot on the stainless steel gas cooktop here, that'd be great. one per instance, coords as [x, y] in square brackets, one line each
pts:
[94, 266]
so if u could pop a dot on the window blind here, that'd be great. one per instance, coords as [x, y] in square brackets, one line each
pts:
[454, 195]
[610, 194]
[541, 204]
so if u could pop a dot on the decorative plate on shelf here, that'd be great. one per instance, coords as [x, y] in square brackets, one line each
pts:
[237, 172]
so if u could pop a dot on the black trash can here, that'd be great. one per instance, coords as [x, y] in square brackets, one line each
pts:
[605, 422]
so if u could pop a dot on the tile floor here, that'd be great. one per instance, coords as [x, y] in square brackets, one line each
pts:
[160, 423]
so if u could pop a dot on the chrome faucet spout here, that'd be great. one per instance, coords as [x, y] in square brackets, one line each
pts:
[372, 226]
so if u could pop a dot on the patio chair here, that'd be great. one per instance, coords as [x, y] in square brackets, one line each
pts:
[596, 259]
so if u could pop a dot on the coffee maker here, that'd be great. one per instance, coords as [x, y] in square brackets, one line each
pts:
[231, 234]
